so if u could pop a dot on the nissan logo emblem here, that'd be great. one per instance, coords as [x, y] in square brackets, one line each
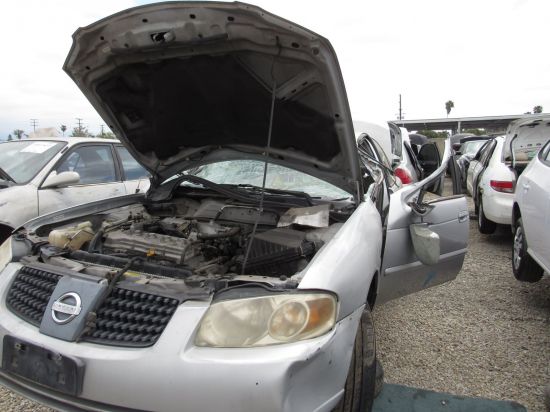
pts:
[66, 308]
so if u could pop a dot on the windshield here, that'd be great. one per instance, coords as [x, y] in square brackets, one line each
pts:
[22, 160]
[250, 172]
[473, 146]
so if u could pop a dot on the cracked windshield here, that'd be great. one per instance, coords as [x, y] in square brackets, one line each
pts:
[250, 172]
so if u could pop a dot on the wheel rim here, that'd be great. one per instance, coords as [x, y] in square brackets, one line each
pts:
[518, 247]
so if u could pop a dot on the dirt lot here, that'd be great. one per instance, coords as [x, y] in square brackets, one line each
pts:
[484, 334]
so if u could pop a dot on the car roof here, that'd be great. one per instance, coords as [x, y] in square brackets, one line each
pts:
[72, 140]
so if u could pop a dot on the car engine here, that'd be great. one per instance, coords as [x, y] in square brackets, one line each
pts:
[197, 240]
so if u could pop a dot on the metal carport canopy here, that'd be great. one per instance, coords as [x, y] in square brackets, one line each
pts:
[459, 123]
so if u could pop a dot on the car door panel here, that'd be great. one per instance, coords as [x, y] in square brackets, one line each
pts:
[100, 178]
[535, 191]
[402, 271]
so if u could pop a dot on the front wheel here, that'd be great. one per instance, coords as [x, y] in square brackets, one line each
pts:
[524, 266]
[360, 384]
[484, 225]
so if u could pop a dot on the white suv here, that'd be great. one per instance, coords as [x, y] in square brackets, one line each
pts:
[531, 217]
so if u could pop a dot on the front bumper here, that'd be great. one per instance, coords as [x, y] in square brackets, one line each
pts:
[174, 375]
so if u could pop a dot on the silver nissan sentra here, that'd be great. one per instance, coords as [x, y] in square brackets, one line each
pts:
[244, 279]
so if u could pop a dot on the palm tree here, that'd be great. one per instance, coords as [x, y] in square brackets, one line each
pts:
[449, 106]
[63, 129]
[537, 109]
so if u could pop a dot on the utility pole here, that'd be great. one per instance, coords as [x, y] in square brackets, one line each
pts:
[34, 123]
[79, 121]
[401, 114]
[102, 130]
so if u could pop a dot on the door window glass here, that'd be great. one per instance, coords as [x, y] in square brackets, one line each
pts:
[487, 153]
[546, 153]
[94, 164]
[132, 169]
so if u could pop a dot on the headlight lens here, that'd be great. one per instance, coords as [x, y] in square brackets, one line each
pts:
[267, 320]
[5, 253]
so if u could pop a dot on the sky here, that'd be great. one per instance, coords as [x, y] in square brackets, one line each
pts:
[489, 57]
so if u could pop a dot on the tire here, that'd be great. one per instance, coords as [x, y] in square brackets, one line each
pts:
[379, 383]
[360, 383]
[485, 226]
[523, 265]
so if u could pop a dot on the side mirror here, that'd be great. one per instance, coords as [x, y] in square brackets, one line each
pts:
[426, 243]
[456, 146]
[458, 153]
[61, 180]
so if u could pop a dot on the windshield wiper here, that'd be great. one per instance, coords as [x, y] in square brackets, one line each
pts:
[258, 189]
[5, 176]
[164, 191]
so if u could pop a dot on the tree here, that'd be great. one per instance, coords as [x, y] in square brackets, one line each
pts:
[537, 109]
[10, 138]
[63, 129]
[18, 133]
[477, 132]
[449, 106]
[431, 134]
[107, 135]
[81, 131]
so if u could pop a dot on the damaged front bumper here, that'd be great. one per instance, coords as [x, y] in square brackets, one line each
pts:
[174, 374]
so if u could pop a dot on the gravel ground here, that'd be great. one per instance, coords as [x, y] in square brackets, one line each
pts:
[484, 334]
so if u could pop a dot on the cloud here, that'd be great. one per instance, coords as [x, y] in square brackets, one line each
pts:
[485, 56]
[35, 38]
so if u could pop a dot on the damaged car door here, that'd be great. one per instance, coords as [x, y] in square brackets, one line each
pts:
[425, 239]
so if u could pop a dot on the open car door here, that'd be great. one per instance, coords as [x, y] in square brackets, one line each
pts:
[426, 236]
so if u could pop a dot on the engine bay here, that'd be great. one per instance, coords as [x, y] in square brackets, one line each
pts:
[200, 242]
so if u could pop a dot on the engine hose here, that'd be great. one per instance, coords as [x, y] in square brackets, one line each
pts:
[231, 232]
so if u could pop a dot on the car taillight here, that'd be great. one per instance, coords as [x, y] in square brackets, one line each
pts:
[403, 175]
[505, 186]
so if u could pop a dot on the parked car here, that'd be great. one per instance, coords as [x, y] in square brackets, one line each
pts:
[417, 141]
[211, 292]
[42, 175]
[395, 143]
[531, 218]
[469, 146]
[491, 183]
[492, 174]
[456, 138]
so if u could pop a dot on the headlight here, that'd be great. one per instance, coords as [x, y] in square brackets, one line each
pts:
[267, 320]
[5, 253]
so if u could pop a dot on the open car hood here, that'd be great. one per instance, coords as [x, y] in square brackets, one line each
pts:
[188, 83]
[525, 137]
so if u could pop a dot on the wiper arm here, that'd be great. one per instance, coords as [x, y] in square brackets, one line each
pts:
[164, 192]
[6, 176]
[293, 193]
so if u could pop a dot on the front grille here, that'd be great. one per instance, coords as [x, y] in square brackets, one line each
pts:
[131, 318]
[125, 318]
[30, 293]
